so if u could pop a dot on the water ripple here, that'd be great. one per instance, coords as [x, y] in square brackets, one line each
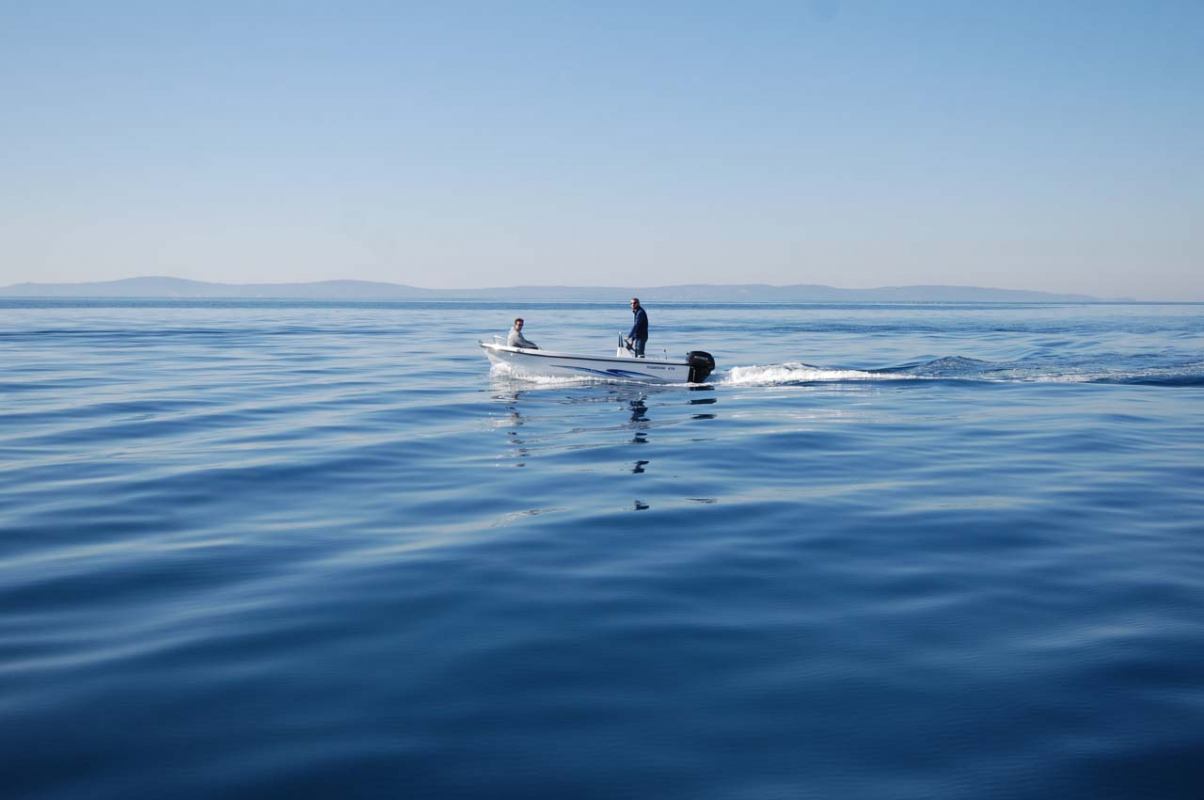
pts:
[264, 549]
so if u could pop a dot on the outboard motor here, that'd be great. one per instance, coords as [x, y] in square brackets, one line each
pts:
[701, 365]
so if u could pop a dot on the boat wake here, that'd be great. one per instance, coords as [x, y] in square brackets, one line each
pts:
[793, 373]
[946, 368]
[958, 368]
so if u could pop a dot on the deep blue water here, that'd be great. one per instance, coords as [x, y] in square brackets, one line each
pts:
[257, 549]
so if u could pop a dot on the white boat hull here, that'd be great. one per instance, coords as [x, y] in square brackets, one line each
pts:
[548, 363]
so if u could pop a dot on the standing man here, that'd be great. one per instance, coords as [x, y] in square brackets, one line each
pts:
[638, 336]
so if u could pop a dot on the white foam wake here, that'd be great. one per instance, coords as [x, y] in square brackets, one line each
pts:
[754, 375]
[795, 372]
[506, 371]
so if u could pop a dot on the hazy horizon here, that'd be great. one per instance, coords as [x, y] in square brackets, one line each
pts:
[599, 286]
[1027, 146]
[184, 288]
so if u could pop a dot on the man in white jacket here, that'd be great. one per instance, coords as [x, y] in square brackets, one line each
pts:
[516, 338]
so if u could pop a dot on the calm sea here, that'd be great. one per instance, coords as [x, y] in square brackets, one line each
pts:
[282, 550]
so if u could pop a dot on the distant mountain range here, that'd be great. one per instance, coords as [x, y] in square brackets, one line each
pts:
[180, 288]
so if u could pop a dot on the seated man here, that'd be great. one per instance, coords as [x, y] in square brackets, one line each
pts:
[516, 338]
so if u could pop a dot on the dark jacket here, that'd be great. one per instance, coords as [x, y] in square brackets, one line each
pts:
[640, 329]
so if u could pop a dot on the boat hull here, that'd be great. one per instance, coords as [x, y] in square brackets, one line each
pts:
[548, 363]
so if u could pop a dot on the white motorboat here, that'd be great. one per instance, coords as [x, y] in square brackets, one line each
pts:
[623, 366]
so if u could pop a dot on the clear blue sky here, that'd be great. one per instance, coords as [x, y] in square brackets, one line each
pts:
[1037, 145]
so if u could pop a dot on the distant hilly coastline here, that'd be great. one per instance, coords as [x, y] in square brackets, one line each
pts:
[179, 288]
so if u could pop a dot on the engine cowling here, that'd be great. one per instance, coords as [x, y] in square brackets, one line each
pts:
[702, 364]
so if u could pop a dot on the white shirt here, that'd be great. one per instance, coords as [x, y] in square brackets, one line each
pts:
[516, 339]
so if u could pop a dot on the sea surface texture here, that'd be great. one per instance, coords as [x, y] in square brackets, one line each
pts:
[293, 550]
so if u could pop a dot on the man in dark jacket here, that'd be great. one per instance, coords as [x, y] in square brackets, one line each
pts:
[638, 336]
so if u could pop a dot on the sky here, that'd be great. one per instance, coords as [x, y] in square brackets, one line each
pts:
[1052, 145]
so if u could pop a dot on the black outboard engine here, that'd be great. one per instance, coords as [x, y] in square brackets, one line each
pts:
[701, 365]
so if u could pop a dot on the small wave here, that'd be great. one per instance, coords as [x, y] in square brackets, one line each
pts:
[1093, 370]
[1157, 378]
[1107, 373]
[1185, 380]
[950, 367]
